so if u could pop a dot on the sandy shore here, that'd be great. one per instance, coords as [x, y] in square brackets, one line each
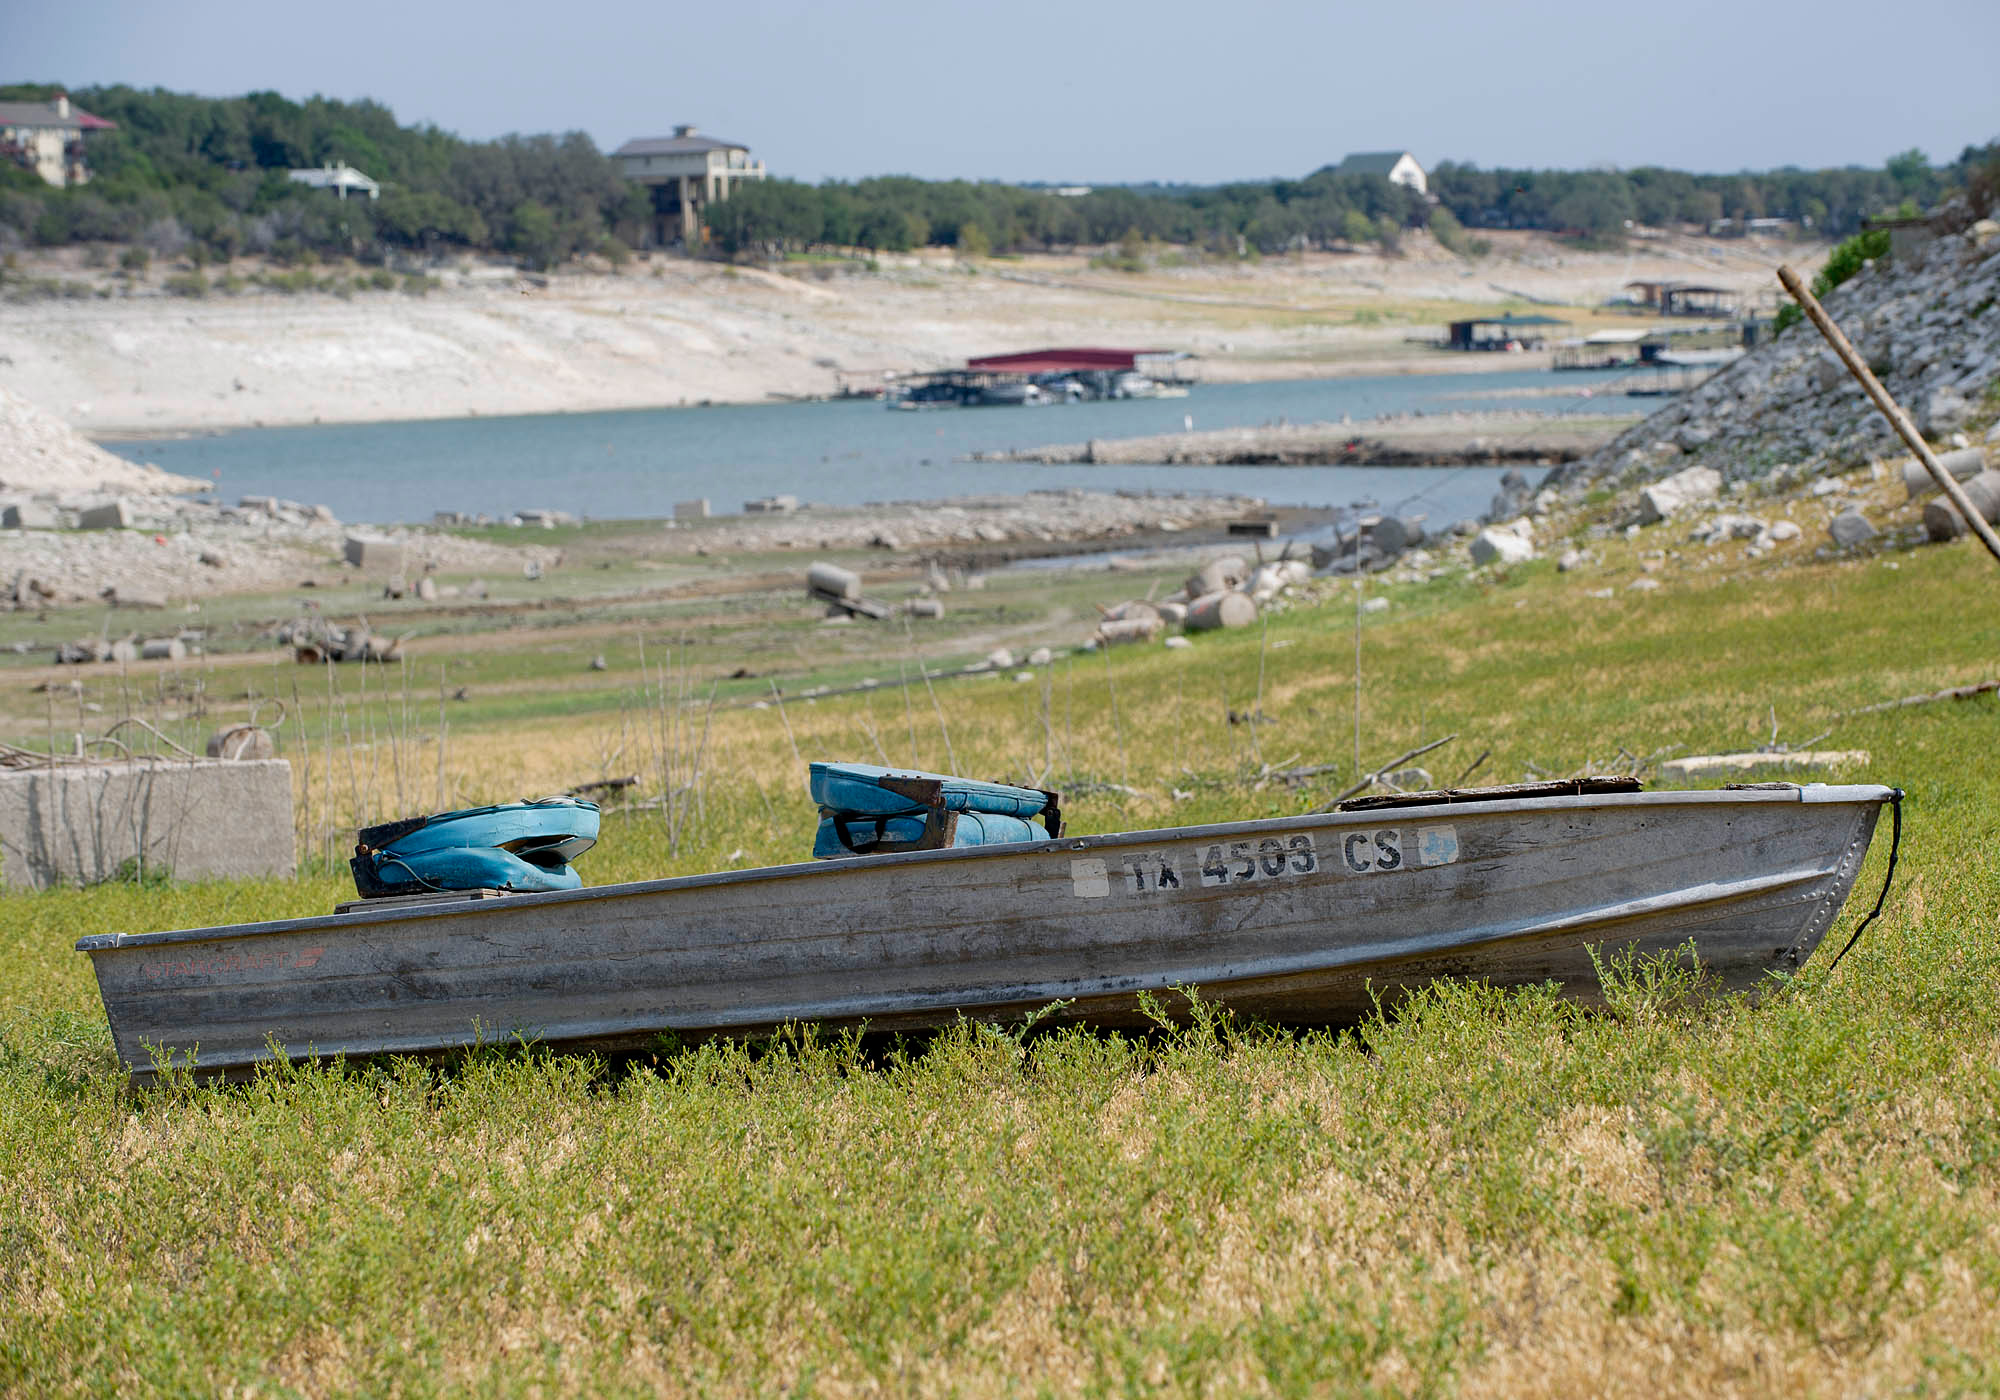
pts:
[130, 359]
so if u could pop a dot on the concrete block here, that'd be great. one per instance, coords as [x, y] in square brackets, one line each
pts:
[27, 515]
[372, 554]
[197, 819]
[691, 510]
[771, 505]
[112, 515]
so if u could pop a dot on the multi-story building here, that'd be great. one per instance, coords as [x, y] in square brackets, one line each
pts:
[685, 172]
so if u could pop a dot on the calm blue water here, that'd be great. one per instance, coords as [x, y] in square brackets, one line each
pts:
[638, 463]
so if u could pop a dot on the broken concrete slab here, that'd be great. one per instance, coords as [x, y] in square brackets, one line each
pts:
[195, 819]
[1677, 492]
[1739, 765]
[1499, 545]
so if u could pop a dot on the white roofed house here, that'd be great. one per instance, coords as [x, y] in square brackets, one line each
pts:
[1398, 167]
[341, 179]
[685, 173]
[47, 138]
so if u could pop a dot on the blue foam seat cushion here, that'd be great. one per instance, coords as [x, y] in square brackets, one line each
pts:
[857, 788]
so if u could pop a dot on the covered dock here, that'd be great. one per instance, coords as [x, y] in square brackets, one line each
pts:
[1508, 332]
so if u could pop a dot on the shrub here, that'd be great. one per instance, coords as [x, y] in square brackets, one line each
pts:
[187, 284]
[134, 260]
[1842, 263]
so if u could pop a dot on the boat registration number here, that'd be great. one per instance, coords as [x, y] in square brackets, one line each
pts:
[1217, 864]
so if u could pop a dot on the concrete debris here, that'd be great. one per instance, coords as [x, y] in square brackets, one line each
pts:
[1178, 643]
[929, 608]
[1964, 464]
[1942, 521]
[773, 505]
[1041, 656]
[1226, 608]
[27, 515]
[242, 742]
[1502, 544]
[109, 515]
[691, 510]
[1218, 576]
[82, 823]
[1739, 765]
[1660, 500]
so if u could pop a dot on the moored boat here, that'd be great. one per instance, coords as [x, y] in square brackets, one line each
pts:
[1298, 920]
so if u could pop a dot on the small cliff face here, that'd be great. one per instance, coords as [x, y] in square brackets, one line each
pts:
[1927, 322]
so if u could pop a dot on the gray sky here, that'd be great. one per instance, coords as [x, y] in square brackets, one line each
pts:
[1177, 90]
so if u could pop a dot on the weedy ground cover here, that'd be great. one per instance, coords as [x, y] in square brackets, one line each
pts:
[1474, 1192]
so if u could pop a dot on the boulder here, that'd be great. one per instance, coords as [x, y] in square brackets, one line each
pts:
[1784, 530]
[925, 607]
[163, 649]
[1677, 492]
[1850, 528]
[1943, 410]
[427, 589]
[1499, 545]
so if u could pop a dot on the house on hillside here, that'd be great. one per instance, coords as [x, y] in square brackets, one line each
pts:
[47, 138]
[685, 173]
[1398, 167]
[339, 178]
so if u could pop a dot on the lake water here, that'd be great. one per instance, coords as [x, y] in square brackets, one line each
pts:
[638, 463]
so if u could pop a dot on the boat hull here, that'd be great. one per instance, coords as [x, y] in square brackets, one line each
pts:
[1305, 920]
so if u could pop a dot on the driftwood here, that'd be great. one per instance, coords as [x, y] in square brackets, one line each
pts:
[1960, 692]
[1391, 766]
[602, 785]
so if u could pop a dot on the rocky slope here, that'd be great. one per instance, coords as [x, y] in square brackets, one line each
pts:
[42, 455]
[1928, 322]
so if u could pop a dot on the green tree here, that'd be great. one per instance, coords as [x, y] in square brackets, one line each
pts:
[532, 233]
[973, 242]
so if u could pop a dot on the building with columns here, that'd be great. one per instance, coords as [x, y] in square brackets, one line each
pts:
[685, 173]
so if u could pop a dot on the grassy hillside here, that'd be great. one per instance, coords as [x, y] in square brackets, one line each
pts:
[1475, 1192]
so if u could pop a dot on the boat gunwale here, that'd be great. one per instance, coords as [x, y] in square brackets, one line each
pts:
[1855, 793]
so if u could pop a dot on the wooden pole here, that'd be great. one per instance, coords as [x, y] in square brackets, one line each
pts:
[1891, 410]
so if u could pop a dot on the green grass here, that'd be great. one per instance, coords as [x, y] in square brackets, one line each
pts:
[1476, 1192]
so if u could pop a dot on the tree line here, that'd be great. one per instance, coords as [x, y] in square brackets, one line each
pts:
[186, 174]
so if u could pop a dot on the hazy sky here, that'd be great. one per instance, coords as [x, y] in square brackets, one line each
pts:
[1178, 90]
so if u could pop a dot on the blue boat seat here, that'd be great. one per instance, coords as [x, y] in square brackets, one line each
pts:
[869, 810]
[520, 846]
